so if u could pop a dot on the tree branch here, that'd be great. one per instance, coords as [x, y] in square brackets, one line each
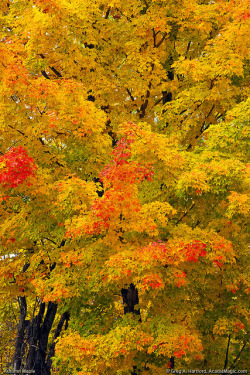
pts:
[131, 96]
[185, 214]
[143, 108]
[226, 360]
[161, 41]
[107, 13]
[64, 319]
[238, 356]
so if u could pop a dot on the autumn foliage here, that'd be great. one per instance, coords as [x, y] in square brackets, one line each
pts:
[17, 167]
[124, 186]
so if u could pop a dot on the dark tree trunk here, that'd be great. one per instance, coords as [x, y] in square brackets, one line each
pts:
[17, 361]
[64, 319]
[167, 95]
[31, 347]
[40, 361]
[34, 337]
[130, 299]
[171, 362]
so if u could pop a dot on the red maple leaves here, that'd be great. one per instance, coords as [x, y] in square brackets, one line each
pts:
[17, 167]
[121, 169]
[162, 251]
[181, 281]
[245, 16]
[195, 250]
[119, 179]
[153, 281]
[239, 326]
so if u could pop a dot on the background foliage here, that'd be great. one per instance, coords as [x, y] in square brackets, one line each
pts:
[124, 149]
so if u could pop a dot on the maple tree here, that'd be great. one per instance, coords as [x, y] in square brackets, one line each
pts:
[124, 183]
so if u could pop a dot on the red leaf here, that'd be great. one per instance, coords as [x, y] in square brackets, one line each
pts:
[18, 166]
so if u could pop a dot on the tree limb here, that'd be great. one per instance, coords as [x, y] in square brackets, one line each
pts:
[226, 360]
[161, 41]
[238, 356]
[185, 214]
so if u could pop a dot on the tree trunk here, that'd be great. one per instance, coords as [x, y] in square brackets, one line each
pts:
[64, 319]
[17, 361]
[130, 299]
[31, 347]
[40, 366]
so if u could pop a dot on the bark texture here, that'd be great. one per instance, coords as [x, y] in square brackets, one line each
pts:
[32, 351]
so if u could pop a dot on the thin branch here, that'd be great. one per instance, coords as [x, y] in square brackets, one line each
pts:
[188, 46]
[41, 140]
[184, 110]
[131, 96]
[143, 108]
[158, 101]
[212, 81]
[164, 96]
[45, 74]
[107, 13]
[196, 224]
[19, 131]
[206, 127]
[41, 112]
[185, 214]
[48, 152]
[54, 70]
[161, 41]
[154, 37]
[58, 74]
[220, 116]
[203, 128]
[137, 134]
[211, 110]
[226, 360]
[45, 238]
[62, 243]
[238, 356]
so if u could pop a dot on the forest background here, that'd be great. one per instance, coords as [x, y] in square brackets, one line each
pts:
[124, 186]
